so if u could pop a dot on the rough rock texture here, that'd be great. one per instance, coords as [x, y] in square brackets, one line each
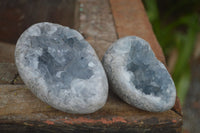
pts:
[137, 76]
[61, 68]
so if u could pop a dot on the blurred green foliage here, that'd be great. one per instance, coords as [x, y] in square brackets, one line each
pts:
[176, 24]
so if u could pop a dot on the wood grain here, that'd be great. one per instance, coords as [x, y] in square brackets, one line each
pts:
[19, 106]
[131, 19]
[18, 15]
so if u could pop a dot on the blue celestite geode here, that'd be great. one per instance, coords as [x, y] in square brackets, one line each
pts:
[137, 76]
[61, 68]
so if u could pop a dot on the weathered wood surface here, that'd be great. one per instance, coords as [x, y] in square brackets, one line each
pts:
[131, 19]
[21, 111]
[17, 15]
[19, 106]
[8, 70]
[7, 52]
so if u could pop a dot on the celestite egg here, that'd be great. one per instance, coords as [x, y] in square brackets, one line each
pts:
[61, 68]
[137, 76]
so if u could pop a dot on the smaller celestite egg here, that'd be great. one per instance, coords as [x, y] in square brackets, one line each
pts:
[137, 76]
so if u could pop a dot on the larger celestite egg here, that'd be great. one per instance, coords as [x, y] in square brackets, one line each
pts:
[61, 68]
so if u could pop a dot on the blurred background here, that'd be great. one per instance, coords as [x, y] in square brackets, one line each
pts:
[176, 25]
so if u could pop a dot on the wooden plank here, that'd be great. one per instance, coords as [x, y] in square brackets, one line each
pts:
[96, 24]
[8, 70]
[131, 19]
[9, 74]
[17, 15]
[7, 51]
[19, 106]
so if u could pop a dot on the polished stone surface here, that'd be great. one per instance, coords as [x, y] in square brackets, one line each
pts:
[61, 68]
[137, 76]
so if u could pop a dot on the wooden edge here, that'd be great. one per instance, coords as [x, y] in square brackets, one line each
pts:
[7, 51]
[131, 19]
[116, 114]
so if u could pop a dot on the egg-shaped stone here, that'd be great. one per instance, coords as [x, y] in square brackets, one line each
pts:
[137, 76]
[61, 68]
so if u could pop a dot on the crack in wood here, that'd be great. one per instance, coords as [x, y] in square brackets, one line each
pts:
[14, 79]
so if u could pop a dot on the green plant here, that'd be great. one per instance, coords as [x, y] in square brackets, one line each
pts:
[175, 33]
